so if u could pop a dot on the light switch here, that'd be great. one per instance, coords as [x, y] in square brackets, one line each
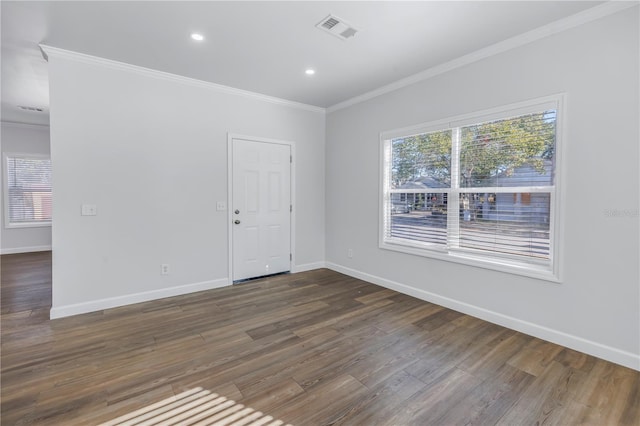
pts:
[89, 210]
[221, 206]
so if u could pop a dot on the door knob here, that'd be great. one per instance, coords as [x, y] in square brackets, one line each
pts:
[237, 222]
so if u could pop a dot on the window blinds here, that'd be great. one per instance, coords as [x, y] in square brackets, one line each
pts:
[483, 188]
[28, 190]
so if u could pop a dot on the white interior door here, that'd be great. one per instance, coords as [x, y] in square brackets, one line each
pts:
[261, 208]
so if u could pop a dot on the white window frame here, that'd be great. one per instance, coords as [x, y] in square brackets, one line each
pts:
[7, 218]
[545, 270]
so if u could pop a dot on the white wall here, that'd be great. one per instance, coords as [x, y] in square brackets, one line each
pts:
[24, 139]
[596, 308]
[151, 153]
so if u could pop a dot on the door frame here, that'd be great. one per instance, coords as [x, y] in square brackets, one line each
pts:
[292, 189]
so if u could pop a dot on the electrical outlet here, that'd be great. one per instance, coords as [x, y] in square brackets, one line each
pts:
[350, 253]
[164, 269]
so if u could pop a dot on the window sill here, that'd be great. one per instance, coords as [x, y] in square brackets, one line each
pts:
[541, 272]
[27, 225]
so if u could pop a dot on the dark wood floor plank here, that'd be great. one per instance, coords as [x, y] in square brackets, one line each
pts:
[542, 402]
[381, 402]
[303, 330]
[314, 348]
[30, 275]
[433, 402]
[317, 405]
[274, 395]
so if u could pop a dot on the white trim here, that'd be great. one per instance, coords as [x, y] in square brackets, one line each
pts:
[20, 125]
[20, 225]
[517, 109]
[294, 206]
[50, 51]
[308, 267]
[383, 190]
[548, 271]
[474, 189]
[586, 16]
[31, 249]
[27, 155]
[292, 188]
[129, 299]
[590, 347]
[467, 257]
[556, 227]
[230, 137]
[498, 112]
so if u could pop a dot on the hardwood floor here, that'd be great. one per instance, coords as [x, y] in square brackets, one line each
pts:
[314, 348]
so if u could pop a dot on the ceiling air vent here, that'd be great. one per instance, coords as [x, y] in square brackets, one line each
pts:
[337, 27]
[30, 108]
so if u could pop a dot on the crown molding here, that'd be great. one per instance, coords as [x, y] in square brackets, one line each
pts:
[547, 30]
[50, 51]
[21, 125]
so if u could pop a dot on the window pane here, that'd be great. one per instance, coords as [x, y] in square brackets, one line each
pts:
[421, 161]
[508, 153]
[419, 217]
[510, 223]
[29, 185]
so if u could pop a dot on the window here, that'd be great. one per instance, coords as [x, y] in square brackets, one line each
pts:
[479, 189]
[27, 190]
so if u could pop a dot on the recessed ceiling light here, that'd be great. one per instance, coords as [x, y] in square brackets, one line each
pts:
[310, 71]
[197, 37]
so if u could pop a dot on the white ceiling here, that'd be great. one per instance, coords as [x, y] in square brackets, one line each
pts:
[262, 47]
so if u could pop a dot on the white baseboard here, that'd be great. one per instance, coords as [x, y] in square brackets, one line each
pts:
[25, 249]
[596, 349]
[113, 302]
[308, 267]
